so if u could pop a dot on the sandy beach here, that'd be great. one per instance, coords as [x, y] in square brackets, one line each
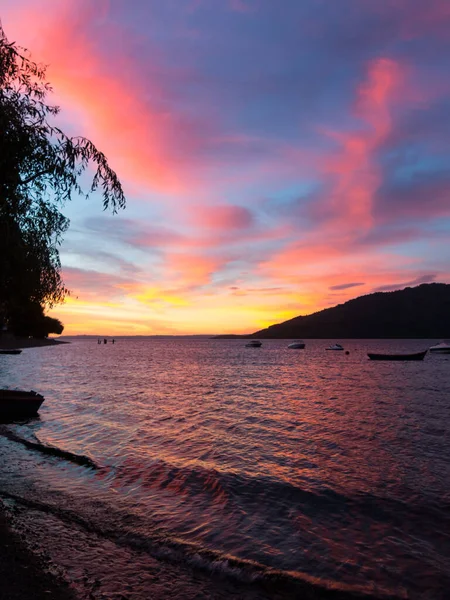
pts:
[22, 574]
[14, 343]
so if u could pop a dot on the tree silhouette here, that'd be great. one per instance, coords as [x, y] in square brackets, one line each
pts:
[40, 169]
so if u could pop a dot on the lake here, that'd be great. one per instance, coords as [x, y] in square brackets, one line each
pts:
[225, 471]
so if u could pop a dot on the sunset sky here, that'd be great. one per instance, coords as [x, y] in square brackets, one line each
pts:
[278, 156]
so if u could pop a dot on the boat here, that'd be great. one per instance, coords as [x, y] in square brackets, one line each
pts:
[335, 347]
[19, 404]
[297, 345]
[10, 351]
[254, 344]
[415, 356]
[442, 348]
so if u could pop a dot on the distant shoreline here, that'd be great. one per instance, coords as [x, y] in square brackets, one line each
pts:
[15, 343]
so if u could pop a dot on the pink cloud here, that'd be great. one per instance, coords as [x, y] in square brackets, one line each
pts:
[94, 285]
[127, 114]
[242, 6]
[225, 217]
[354, 171]
[331, 254]
[344, 212]
[424, 198]
[431, 16]
[187, 270]
[371, 270]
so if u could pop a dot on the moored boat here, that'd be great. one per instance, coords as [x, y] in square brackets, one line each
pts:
[335, 347]
[253, 344]
[442, 348]
[6, 351]
[19, 404]
[414, 356]
[297, 345]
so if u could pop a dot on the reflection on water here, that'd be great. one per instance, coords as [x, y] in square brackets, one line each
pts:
[318, 465]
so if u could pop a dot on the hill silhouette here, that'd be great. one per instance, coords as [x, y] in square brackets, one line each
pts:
[418, 312]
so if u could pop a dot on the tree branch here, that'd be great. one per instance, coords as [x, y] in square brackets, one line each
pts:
[34, 177]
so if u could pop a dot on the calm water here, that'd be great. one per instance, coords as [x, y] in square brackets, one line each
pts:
[225, 471]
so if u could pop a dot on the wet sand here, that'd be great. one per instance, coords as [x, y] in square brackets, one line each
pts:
[22, 574]
[25, 576]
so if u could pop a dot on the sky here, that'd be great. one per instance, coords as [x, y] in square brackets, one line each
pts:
[278, 157]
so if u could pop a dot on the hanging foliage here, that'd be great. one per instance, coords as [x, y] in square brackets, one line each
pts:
[40, 170]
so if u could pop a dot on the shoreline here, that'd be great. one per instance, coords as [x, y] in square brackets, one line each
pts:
[16, 343]
[23, 574]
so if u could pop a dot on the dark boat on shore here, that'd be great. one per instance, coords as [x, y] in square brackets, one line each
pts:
[415, 356]
[19, 404]
[10, 351]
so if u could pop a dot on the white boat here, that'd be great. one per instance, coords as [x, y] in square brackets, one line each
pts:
[335, 347]
[254, 344]
[297, 345]
[442, 348]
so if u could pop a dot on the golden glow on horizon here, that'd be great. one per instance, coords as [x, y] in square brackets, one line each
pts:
[155, 296]
[134, 318]
[238, 311]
